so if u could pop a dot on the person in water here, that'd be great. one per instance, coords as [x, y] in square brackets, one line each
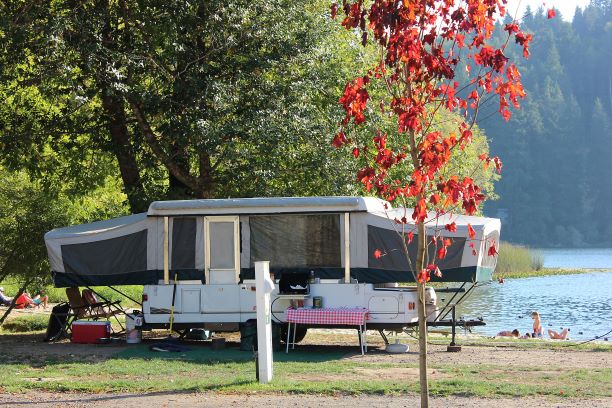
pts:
[558, 336]
[508, 333]
[538, 330]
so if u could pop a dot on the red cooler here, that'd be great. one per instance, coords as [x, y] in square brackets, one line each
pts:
[87, 332]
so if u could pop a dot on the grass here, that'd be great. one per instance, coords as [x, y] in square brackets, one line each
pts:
[541, 272]
[27, 323]
[516, 258]
[331, 377]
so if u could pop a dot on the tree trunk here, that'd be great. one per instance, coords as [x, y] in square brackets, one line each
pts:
[124, 152]
[420, 264]
[205, 176]
[177, 190]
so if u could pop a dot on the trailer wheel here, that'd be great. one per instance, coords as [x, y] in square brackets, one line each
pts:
[299, 334]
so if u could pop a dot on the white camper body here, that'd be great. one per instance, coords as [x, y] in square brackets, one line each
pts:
[225, 306]
[210, 247]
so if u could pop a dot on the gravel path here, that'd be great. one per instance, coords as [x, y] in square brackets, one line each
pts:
[161, 400]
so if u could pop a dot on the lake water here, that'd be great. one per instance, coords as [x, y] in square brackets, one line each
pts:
[582, 302]
[591, 258]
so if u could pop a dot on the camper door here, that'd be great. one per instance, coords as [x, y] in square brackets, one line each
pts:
[222, 249]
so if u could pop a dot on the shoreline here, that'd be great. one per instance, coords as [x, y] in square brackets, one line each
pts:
[547, 272]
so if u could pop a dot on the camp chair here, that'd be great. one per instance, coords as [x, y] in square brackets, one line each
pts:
[80, 309]
[107, 308]
[87, 306]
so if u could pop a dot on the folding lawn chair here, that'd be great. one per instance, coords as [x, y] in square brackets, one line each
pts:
[106, 308]
[80, 308]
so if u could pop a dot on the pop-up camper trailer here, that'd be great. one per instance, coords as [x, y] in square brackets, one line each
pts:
[346, 250]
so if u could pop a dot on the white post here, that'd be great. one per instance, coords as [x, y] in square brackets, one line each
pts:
[264, 286]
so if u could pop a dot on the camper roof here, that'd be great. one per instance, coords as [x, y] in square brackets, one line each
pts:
[273, 205]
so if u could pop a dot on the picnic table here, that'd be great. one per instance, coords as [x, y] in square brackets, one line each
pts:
[343, 316]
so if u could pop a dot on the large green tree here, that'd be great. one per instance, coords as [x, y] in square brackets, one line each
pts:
[230, 97]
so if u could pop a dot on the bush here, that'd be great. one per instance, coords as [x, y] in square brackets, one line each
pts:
[30, 323]
[516, 258]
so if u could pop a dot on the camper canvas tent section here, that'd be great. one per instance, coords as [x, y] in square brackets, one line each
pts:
[218, 241]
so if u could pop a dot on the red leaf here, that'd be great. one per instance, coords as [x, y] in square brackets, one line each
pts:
[410, 237]
[377, 254]
[356, 152]
[471, 231]
[551, 13]
[334, 10]
[442, 253]
[448, 242]
[493, 249]
[434, 199]
[438, 272]
[452, 227]
[420, 211]
[423, 276]
[339, 139]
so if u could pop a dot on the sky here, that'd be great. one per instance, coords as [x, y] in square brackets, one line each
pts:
[566, 7]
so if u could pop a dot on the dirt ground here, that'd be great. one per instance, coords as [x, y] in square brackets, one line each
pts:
[30, 346]
[180, 400]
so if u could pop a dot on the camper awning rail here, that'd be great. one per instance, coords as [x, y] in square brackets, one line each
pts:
[258, 206]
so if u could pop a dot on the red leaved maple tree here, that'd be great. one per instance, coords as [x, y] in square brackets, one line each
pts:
[423, 46]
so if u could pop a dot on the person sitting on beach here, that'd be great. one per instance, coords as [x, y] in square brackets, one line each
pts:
[4, 300]
[558, 336]
[40, 300]
[24, 300]
[508, 333]
[538, 330]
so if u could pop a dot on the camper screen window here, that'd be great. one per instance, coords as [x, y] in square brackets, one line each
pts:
[183, 243]
[296, 240]
[389, 242]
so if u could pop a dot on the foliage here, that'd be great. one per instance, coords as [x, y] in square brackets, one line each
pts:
[28, 210]
[411, 142]
[557, 148]
[26, 214]
[28, 323]
[204, 99]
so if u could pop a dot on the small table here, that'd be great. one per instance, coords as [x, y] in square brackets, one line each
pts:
[328, 317]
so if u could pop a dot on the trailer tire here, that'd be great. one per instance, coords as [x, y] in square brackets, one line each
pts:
[299, 334]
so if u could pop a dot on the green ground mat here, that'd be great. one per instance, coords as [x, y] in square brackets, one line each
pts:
[205, 353]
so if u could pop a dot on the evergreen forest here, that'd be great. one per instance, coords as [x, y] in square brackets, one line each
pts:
[556, 184]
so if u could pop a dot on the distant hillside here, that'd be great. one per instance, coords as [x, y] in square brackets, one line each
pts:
[556, 186]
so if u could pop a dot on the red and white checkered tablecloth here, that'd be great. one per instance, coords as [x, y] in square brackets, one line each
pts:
[339, 316]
